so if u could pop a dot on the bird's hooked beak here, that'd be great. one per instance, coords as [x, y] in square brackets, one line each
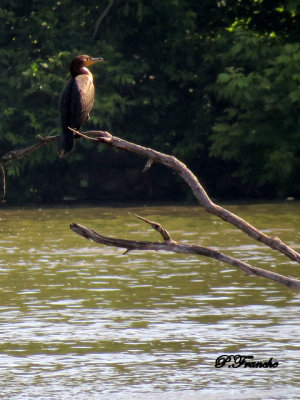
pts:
[93, 61]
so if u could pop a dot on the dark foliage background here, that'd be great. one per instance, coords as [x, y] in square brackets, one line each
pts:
[216, 83]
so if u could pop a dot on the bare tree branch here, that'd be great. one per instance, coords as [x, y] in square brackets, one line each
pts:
[181, 169]
[101, 18]
[3, 175]
[17, 154]
[174, 247]
[198, 191]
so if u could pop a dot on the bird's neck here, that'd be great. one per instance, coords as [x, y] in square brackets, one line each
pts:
[81, 71]
[85, 71]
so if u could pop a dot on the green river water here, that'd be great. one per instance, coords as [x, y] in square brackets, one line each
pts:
[83, 321]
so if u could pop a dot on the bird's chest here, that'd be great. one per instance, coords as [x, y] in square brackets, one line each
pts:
[84, 85]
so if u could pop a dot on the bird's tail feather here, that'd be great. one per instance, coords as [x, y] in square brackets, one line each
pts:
[66, 143]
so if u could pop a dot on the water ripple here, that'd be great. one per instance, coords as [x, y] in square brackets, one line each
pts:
[78, 320]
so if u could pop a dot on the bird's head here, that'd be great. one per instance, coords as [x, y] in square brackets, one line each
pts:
[79, 64]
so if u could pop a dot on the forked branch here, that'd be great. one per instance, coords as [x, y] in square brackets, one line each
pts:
[198, 191]
[174, 247]
[17, 154]
[13, 155]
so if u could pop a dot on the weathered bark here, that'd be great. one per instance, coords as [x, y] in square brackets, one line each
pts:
[16, 154]
[198, 191]
[174, 247]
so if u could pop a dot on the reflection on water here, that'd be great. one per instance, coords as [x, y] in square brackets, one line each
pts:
[81, 321]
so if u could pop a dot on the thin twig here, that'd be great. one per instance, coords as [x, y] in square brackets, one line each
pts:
[101, 18]
[148, 165]
[99, 135]
[159, 228]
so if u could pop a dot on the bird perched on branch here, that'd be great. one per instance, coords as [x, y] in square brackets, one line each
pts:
[76, 100]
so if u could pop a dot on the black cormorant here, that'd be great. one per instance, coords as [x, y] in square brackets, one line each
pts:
[76, 100]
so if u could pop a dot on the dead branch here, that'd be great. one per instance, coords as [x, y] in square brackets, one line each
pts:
[17, 154]
[13, 155]
[3, 176]
[174, 247]
[101, 18]
[200, 194]
[181, 169]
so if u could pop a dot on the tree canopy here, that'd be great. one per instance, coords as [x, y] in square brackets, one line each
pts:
[216, 83]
